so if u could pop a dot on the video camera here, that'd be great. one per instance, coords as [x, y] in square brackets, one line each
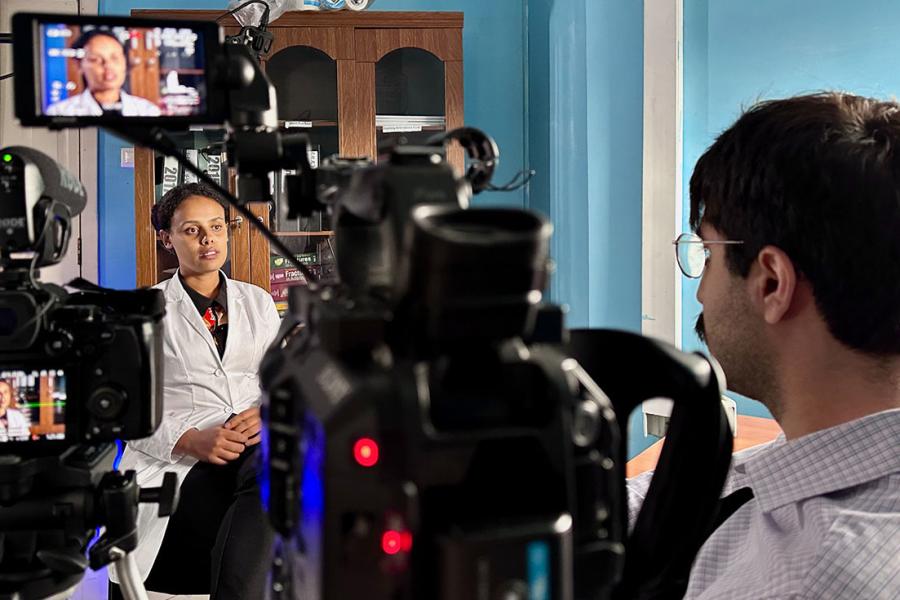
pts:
[80, 367]
[428, 432]
[77, 371]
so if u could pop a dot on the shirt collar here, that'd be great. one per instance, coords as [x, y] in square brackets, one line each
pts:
[825, 461]
[202, 302]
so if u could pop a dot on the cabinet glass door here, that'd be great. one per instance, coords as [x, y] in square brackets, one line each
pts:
[206, 149]
[409, 98]
[306, 82]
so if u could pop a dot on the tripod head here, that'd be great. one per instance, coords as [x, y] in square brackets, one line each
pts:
[52, 507]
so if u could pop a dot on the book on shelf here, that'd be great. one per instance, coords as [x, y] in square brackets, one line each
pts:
[213, 165]
[171, 172]
[193, 157]
[279, 291]
[307, 258]
[287, 275]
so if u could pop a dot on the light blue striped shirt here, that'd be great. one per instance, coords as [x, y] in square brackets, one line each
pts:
[824, 521]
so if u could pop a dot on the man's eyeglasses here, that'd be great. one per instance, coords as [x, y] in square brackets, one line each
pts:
[692, 252]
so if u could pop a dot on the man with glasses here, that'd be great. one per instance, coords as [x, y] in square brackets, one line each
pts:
[104, 65]
[796, 218]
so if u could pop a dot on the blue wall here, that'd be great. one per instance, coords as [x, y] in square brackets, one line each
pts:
[494, 80]
[738, 52]
[585, 115]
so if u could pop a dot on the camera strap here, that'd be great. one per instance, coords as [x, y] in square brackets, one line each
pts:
[728, 506]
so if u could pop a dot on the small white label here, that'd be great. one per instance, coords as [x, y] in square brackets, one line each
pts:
[214, 167]
[193, 156]
[195, 127]
[170, 174]
[305, 124]
[401, 128]
[127, 158]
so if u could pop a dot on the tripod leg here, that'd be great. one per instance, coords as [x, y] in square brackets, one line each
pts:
[129, 577]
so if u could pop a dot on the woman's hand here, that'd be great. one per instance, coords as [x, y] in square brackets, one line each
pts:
[248, 423]
[216, 445]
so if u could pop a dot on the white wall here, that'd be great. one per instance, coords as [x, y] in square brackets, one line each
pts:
[75, 149]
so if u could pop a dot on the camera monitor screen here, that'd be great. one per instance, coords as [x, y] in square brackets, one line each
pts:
[32, 405]
[96, 70]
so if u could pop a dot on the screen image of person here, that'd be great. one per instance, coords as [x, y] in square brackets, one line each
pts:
[13, 422]
[216, 331]
[103, 66]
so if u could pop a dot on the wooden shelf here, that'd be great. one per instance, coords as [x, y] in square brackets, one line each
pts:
[304, 233]
[379, 129]
[315, 123]
[184, 71]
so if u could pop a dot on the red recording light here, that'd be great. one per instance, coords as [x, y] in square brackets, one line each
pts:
[393, 542]
[365, 452]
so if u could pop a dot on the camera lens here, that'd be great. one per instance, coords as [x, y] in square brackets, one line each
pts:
[106, 402]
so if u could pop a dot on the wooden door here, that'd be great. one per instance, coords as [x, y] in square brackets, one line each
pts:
[376, 47]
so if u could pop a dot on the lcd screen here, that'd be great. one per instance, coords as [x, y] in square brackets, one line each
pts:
[96, 70]
[32, 405]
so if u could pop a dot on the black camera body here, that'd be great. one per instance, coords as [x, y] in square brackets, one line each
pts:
[408, 421]
[77, 367]
[476, 473]
[78, 370]
[108, 345]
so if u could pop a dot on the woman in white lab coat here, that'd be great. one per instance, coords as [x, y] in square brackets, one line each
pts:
[13, 422]
[216, 332]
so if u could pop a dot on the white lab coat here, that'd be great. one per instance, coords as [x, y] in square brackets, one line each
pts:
[16, 426]
[200, 390]
[84, 105]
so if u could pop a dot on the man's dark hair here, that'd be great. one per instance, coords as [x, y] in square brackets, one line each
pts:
[817, 176]
[162, 211]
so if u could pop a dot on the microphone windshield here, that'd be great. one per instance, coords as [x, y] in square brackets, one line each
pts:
[59, 184]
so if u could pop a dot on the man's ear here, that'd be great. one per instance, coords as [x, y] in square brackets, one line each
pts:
[774, 283]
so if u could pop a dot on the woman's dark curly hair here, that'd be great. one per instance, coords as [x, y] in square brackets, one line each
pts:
[161, 214]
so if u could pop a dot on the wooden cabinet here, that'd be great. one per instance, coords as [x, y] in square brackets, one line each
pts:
[357, 83]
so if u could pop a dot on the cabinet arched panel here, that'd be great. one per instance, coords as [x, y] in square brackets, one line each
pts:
[409, 98]
[306, 81]
[409, 81]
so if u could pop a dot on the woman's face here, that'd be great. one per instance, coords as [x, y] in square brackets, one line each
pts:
[5, 396]
[198, 235]
[103, 64]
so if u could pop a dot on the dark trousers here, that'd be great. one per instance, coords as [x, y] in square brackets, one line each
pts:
[219, 540]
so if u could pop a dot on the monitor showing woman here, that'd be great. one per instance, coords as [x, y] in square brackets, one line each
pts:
[132, 71]
[103, 66]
